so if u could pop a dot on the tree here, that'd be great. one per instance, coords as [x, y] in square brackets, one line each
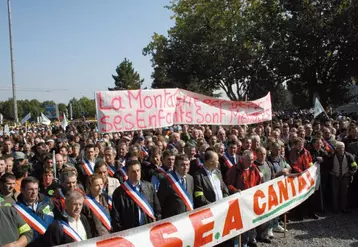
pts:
[83, 107]
[126, 78]
[62, 108]
[248, 48]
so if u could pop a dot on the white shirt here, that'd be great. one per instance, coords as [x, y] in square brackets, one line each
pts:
[215, 182]
[33, 206]
[77, 226]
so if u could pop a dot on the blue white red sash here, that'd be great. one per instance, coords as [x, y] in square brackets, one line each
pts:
[31, 218]
[138, 198]
[227, 161]
[172, 145]
[110, 203]
[99, 211]
[62, 197]
[87, 167]
[123, 163]
[70, 231]
[145, 152]
[123, 173]
[111, 170]
[199, 163]
[162, 171]
[180, 190]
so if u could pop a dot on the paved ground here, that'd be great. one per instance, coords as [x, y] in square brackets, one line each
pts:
[339, 230]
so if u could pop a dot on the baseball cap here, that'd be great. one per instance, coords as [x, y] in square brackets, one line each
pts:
[19, 156]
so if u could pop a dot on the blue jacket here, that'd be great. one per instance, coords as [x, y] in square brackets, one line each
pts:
[45, 210]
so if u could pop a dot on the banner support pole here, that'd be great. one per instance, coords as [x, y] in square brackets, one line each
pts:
[284, 224]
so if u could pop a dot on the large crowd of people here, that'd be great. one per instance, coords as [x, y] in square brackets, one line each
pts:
[60, 186]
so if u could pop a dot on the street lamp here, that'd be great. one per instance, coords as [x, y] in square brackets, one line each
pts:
[12, 64]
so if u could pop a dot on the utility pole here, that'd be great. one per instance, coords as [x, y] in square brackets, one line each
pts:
[12, 64]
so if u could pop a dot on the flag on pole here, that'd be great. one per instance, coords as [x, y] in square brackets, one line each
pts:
[54, 163]
[64, 122]
[318, 108]
[27, 117]
[44, 119]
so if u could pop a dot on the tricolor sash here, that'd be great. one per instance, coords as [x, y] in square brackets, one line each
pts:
[62, 197]
[70, 231]
[227, 161]
[145, 152]
[138, 198]
[110, 202]
[123, 173]
[180, 190]
[31, 218]
[123, 163]
[87, 167]
[162, 171]
[171, 145]
[199, 163]
[111, 170]
[99, 211]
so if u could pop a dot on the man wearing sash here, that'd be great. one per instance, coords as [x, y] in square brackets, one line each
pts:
[109, 157]
[110, 184]
[86, 167]
[135, 202]
[71, 227]
[161, 171]
[68, 182]
[176, 190]
[35, 208]
[198, 163]
[229, 159]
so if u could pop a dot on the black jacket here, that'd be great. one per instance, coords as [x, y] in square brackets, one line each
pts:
[203, 190]
[124, 212]
[56, 236]
[169, 199]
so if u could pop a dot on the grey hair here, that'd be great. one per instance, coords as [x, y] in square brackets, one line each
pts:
[340, 144]
[67, 174]
[72, 196]
[247, 153]
[255, 137]
[112, 149]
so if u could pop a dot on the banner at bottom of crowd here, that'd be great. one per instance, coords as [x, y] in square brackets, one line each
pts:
[219, 221]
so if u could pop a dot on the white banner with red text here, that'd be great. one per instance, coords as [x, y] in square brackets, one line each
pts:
[219, 221]
[129, 110]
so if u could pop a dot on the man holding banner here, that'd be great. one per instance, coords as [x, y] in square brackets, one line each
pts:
[135, 202]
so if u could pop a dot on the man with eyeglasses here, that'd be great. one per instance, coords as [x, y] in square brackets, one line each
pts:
[35, 208]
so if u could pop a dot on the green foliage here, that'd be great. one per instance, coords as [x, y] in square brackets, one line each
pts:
[247, 48]
[126, 78]
[83, 106]
[35, 107]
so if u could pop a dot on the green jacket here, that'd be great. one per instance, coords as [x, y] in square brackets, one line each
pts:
[12, 226]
